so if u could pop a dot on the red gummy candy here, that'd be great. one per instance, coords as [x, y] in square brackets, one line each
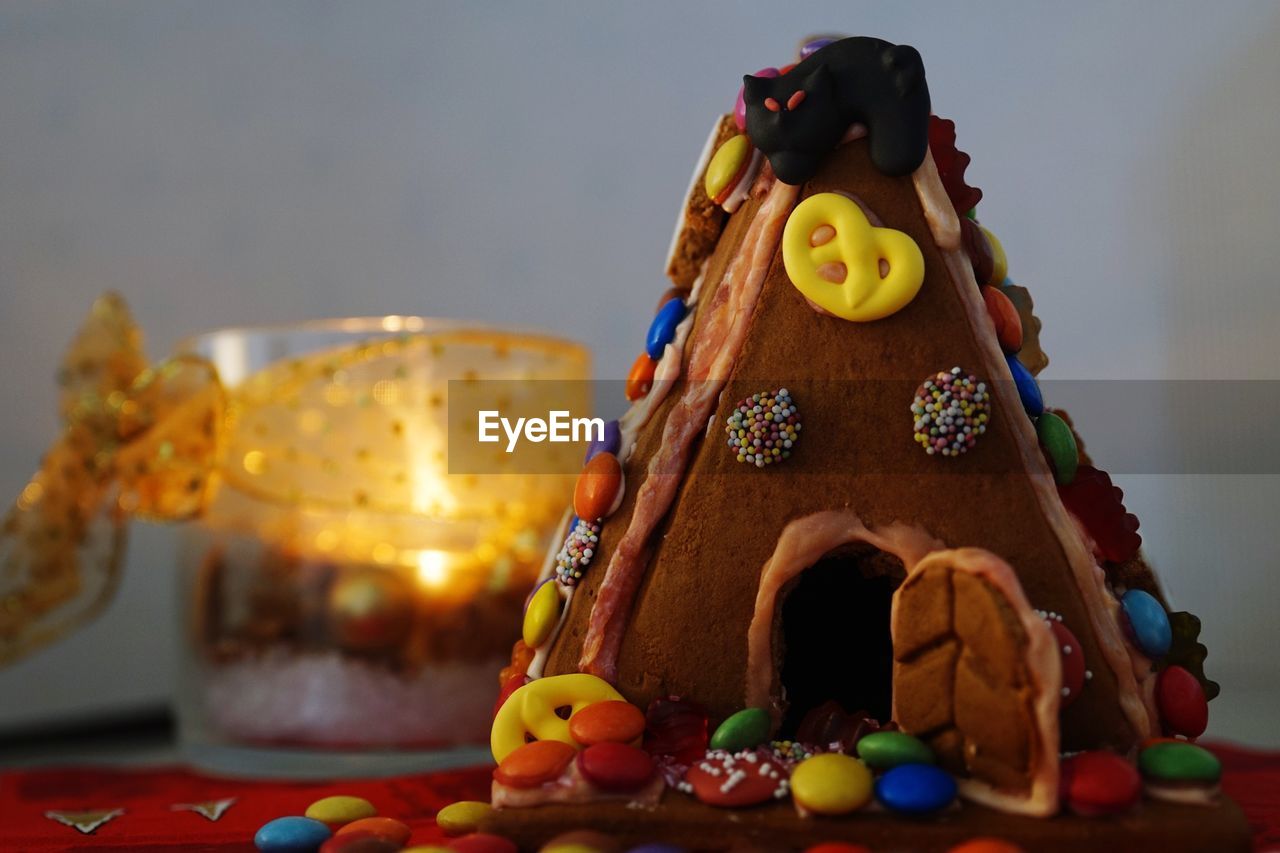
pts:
[1097, 505]
[676, 728]
[951, 163]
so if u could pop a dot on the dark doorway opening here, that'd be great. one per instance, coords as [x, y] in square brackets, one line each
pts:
[834, 633]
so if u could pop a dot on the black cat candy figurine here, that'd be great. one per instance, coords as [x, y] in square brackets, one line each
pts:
[796, 119]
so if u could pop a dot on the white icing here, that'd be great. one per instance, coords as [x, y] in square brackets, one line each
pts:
[742, 190]
[937, 207]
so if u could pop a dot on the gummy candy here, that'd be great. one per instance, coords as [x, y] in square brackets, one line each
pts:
[677, 728]
[951, 163]
[1097, 505]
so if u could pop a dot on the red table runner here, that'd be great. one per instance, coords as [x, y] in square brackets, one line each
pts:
[169, 809]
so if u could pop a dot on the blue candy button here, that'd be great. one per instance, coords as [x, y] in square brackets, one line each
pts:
[291, 835]
[662, 330]
[1028, 390]
[1148, 622]
[915, 789]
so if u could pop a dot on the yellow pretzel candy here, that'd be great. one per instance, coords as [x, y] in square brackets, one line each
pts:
[833, 256]
[532, 710]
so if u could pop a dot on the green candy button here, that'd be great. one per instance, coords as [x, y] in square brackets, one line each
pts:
[1179, 762]
[743, 730]
[885, 750]
[1056, 438]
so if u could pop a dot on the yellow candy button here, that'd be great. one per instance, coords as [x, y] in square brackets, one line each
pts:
[1000, 261]
[531, 710]
[542, 615]
[844, 264]
[831, 784]
[726, 165]
[340, 809]
[462, 817]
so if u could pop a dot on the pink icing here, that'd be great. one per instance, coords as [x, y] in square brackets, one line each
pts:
[801, 544]
[1090, 581]
[714, 351]
[1044, 664]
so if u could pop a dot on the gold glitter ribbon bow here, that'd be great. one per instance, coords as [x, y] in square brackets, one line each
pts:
[137, 440]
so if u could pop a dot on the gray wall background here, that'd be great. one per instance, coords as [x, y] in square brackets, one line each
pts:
[230, 162]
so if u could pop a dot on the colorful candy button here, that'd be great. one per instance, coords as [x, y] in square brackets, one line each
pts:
[534, 764]
[1179, 762]
[462, 817]
[1148, 622]
[640, 379]
[607, 722]
[915, 789]
[812, 45]
[831, 784]
[1004, 315]
[379, 827]
[736, 780]
[986, 845]
[359, 842]
[662, 330]
[1059, 446]
[999, 261]
[1028, 389]
[1099, 783]
[727, 167]
[291, 835]
[846, 266]
[1072, 656]
[740, 106]
[610, 442]
[531, 710]
[886, 750]
[483, 842]
[745, 729]
[1184, 710]
[340, 809]
[615, 766]
[598, 487]
[543, 614]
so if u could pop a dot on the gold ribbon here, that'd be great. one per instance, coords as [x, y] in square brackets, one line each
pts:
[137, 440]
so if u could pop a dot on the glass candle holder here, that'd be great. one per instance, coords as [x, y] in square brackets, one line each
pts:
[349, 602]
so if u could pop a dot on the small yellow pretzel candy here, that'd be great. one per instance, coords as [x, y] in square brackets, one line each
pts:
[531, 709]
[833, 256]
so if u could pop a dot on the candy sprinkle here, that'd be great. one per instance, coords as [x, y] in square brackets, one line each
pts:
[951, 410]
[764, 427]
[579, 548]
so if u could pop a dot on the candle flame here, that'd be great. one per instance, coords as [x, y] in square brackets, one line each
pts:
[433, 570]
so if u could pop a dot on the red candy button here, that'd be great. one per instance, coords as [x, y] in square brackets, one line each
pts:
[607, 722]
[534, 764]
[733, 781]
[1072, 661]
[1184, 710]
[386, 828]
[1005, 317]
[511, 685]
[360, 842]
[615, 766]
[1099, 783]
[483, 842]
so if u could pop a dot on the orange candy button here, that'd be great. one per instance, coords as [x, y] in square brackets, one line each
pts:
[1005, 315]
[986, 845]
[598, 486]
[386, 828]
[607, 722]
[534, 764]
[640, 379]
